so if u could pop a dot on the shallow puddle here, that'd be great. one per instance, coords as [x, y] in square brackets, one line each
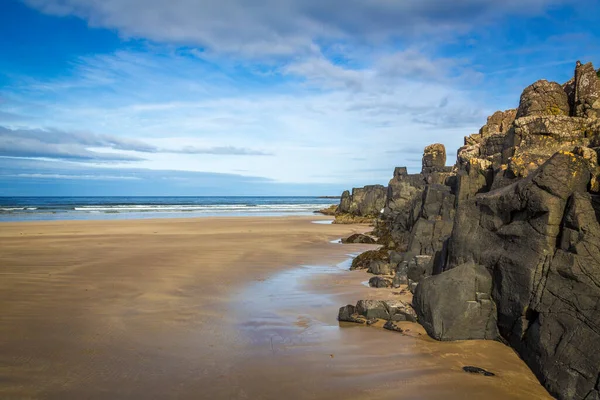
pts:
[295, 345]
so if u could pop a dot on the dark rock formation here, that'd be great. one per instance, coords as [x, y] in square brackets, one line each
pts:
[364, 260]
[380, 282]
[331, 210]
[457, 305]
[506, 245]
[434, 158]
[586, 101]
[390, 310]
[359, 238]
[544, 98]
[363, 202]
[419, 267]
[380, 267]
[399, 279]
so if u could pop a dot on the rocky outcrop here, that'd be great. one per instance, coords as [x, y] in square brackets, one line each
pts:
[527, 216]
[368, 258]
[368, 310]
[586, 102]
[539, 238]
[331, 210]
[434, 158]
[380, 282]
[544, 98]
[363, 202]
[506, 245]
[359, 238]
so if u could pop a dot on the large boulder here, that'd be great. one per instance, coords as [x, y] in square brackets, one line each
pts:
[457, 304]
[543, 98]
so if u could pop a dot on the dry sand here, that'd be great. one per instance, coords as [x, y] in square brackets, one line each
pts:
[213, 308]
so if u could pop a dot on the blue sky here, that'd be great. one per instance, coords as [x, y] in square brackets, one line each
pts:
[272, 97]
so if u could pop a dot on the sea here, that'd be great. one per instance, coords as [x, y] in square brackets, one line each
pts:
[88, 208]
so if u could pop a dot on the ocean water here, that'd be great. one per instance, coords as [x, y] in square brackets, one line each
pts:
[84, 208]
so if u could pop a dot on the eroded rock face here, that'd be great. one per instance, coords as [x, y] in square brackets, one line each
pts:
[587, 92]
[507, 243]
[380, 282]
[364, 202]
[532, 238]
[544, 98]
[359, 238]
[497, 124]
[434, 158]
[368, 310]
[457, 304]
[364, 260]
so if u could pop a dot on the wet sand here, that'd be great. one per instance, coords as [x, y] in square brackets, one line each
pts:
[214, 308]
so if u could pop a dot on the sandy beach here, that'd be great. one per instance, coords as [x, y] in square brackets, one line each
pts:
[214, 308]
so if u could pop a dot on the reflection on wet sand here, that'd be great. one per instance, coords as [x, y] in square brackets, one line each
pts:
[290, 324]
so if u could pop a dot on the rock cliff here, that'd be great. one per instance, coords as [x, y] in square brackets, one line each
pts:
[505, 245]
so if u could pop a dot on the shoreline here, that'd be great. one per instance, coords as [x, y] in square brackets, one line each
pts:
[315, 216]
[154, 308]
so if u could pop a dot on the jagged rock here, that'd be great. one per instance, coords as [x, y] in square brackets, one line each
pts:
[475, 177]
[420, 267]
[352, 219]
[399, 280]
[364, 260]
[392, 326]
[364, 202]
[368, 310]
[587, 91]
[403, 196]
[457, 304]
[412, 286]
[400, 311]
[372, 309]
[512, 234]
[380, 282]
[345, 202]
[434, 158]
[537, 138]
[435, 220]
[331, 210]
[348, 314]
[540, 238]
[497, 123]
[380, 267]
[359, 238]
[543, 98]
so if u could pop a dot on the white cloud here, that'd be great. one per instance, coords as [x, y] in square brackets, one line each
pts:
[285, 27]
[318, 121]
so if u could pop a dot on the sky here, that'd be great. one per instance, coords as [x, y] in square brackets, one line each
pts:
[262, 97]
